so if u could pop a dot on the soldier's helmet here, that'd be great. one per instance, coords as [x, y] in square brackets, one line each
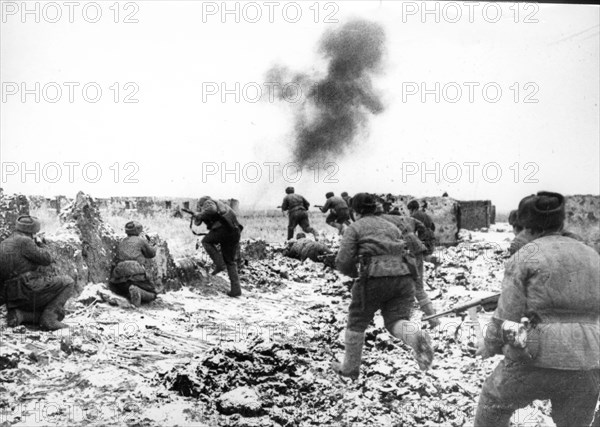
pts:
[413, 205]
[28, 224]
[133, 228]
[300, 236]
[289, 190]
[329, 194]
[364, 203]
[345, 194]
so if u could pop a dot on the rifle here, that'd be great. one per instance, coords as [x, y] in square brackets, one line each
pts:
[491, 301]
[318, 206]
[193, 216]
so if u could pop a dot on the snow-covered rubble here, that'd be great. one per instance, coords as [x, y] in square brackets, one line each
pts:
[197, 357]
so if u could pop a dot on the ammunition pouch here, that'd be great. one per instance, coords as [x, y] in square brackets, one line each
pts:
[387, 266]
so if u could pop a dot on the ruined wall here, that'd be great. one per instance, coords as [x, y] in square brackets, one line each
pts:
[583, 218]
[444, 213]
[10, 209]
[475, 214]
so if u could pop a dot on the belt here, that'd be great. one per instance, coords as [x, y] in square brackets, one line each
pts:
[569, 317]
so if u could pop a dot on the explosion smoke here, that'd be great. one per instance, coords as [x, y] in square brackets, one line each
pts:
[336, 108]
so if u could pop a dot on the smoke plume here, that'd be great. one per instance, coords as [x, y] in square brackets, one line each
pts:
[335, 110]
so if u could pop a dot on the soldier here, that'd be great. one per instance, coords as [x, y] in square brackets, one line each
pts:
[407, 227]
[426, 234]
[225, 230]
[348, 201]
[339, 212]
[296, 206]
[30, 297]
[522, 237]
[129, 276]
[386, 282]
[304, 248]
[552, 282]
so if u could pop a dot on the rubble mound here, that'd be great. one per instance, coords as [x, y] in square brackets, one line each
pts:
[10, 209]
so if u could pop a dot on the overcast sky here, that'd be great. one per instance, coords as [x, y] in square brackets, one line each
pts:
[175, 141]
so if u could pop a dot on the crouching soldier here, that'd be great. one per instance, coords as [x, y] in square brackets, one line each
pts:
[129, 275]
[224, 230]
[551, 298]
[29, 296]
[385, 281]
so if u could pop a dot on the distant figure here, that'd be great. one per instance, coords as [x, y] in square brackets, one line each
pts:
[129, 276]
[304, 248]
[348, 201]
[177, 213]
[339, 212]
[29, 296]
[445, 194]
[296, 207]
[426, 235]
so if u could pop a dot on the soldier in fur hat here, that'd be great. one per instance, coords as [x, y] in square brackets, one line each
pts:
[129, 276]
[30, 297]
[550, 289]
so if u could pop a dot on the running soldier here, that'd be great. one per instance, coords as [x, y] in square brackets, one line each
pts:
[385, 281]
[224, 230]
[296, 207]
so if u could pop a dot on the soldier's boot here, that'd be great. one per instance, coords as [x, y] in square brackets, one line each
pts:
[290, 235]
[16, 317]
[137, 295]
[234, 279]
[313, 232]
[350, 367]
[215, 256]
[418, 339]
[55, 311]
[428, 310]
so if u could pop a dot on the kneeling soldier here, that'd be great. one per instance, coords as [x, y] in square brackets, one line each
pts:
[386, 282]
[551, 298]
[129, 275]
[29, 296]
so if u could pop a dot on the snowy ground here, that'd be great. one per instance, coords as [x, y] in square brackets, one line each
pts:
[168, 363]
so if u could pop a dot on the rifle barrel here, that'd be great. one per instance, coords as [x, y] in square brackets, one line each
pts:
[460, 308]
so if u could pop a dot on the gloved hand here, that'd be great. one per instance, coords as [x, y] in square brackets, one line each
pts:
[40, 240]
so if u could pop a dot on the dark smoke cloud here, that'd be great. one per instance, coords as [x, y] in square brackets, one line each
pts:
[334, 111]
